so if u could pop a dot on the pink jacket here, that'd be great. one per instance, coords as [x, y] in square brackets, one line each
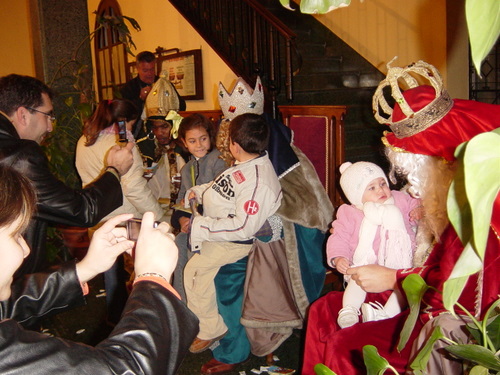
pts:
[344, 240]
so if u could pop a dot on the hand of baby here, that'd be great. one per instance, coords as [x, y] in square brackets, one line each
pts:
[342, 264]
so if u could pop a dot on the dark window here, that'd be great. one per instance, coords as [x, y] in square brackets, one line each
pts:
[110, 54]
[487, 87]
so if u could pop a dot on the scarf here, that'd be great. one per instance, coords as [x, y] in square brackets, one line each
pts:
[395, 244]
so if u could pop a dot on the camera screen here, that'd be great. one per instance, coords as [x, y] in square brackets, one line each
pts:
[134, 227]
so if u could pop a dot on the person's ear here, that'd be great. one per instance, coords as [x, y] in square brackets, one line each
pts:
[236, 147]
[20, 119]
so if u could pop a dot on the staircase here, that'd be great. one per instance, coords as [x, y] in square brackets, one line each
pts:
[326, 71]
[332, 73]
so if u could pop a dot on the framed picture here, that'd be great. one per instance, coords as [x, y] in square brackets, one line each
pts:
[184, 70]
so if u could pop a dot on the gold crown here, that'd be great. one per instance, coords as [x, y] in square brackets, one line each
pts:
[162, 98]
[414, 122]
[242, 99]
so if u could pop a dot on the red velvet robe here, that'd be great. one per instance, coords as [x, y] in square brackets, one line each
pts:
[341, 349]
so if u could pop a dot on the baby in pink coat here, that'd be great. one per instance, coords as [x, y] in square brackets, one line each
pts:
[378, 227]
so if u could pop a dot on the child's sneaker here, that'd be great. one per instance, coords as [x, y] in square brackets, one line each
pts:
[373, 311]
[348, 316]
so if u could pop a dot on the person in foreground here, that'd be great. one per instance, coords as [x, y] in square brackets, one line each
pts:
[155, 330]
[427, 126]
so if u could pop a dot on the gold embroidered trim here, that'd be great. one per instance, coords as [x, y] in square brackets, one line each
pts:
[425, 118]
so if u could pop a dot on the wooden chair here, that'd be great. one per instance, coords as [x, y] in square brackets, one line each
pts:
[319, 133]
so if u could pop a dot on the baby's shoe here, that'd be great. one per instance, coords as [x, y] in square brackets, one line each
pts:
[348, 316]
[373, 311]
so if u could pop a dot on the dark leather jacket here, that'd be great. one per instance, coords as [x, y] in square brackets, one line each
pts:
[152, 337]
[57, 203]
[40, 294]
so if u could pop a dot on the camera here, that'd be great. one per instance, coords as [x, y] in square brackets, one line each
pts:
[134, 227]
[122, 132]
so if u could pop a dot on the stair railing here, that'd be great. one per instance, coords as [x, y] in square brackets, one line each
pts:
[250, 40]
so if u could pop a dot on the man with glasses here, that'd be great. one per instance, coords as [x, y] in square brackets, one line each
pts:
[26, 116]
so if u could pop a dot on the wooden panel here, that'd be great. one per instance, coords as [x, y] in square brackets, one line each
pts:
[319, 133]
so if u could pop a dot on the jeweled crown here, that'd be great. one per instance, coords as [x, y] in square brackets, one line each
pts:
[242, 99]
[414, 122]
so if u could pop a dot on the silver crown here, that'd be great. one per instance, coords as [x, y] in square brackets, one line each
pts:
[242, 99]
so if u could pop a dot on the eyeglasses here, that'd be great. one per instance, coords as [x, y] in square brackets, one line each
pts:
[50, 115]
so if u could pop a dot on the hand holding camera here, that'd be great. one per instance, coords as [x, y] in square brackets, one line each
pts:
[155, 251]
[108, 242]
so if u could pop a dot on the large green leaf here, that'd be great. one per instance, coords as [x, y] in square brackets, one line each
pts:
[375, 364]
[468, 263]
[476, 354]
[321, 369]
[493, 330]
[482, 182]
[415, 287]
[470, 202]
[458, 207]
[419, 364]
[483, 21]
[286, 4]
[479, 370]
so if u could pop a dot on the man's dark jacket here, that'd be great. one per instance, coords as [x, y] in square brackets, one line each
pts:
[57, 203]
[152, 337]
[132, 90]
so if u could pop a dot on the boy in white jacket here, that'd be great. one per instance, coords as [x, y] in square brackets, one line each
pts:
[235, 206]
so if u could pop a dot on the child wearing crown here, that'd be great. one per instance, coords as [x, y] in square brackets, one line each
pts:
[236, 205]
[376, 228]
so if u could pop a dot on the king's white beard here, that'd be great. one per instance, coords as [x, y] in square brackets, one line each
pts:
[429, 179]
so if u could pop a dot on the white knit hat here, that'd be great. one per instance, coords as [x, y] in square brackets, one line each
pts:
[356, 177]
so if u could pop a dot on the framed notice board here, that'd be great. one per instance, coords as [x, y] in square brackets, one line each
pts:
[184, 70]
